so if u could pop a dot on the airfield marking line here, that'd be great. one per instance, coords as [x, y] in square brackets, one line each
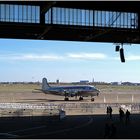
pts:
[68, 129]
[23, 130]
[8, 134]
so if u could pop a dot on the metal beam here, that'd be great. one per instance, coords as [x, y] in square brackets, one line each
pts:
[41, 36]
[45, 8]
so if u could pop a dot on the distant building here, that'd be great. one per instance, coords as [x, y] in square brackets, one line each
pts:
[57, 81]
[84, 81]
[114, 83]
[130, 84]
[93, 80]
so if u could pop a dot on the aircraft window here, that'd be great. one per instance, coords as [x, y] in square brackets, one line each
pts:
[87, 88]
[90, 87]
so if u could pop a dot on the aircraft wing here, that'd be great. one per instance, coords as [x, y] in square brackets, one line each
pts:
[37, 91]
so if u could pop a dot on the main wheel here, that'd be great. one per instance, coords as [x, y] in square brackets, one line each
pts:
[66, 99]
[80, 98]
[92, 99]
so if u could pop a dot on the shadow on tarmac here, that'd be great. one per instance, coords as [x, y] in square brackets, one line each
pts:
[53, 100]
[77, 127]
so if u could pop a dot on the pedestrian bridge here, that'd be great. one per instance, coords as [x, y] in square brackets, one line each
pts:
[116, 22]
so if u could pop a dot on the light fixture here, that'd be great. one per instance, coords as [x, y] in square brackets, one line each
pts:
[117, 48]
[122, 55]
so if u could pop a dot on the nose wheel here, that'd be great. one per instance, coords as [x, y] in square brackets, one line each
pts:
[92, 99]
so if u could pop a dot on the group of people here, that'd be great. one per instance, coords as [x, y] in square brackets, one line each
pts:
[122, 114]
[109, 111]
[110, 128]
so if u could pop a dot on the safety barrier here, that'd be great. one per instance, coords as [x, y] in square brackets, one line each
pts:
[52, 109]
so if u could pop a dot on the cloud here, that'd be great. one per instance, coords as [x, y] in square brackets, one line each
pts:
[53, 57]
[32, 57]
[87, 56]
[133, 58]
[129, 58]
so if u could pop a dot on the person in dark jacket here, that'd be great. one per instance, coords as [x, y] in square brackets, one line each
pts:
[107, 110]
[127, 116]
[110, 112]
[121, 114]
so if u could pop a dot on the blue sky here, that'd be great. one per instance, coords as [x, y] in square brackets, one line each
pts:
[31, 60]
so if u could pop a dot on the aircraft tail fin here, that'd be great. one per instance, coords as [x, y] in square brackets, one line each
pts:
[45, 84]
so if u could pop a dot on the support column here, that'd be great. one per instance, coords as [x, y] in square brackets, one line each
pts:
[138, 21]
[42, 16]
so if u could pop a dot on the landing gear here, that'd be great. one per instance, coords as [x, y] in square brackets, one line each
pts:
[66, 96]
[81, 98]
[92, 99]
[66, 99]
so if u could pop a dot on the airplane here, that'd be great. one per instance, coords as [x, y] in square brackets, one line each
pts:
[70, 91]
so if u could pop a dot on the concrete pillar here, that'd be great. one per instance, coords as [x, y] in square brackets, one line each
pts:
[104, 99]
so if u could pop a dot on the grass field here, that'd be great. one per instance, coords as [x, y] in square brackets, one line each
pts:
[18, 88]
[22, 88]
[120, 88]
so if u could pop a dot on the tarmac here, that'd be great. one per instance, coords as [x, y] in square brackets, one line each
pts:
[72, 127]
[75, 126]
[84, 120]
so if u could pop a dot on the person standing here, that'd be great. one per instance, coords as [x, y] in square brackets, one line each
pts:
[107, 110]
[121, 114]
[110, 112]
[127, 116]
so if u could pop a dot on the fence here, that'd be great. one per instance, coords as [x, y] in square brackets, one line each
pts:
[51, 109]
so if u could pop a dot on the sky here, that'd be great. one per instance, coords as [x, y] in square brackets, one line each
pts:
[31, 60]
